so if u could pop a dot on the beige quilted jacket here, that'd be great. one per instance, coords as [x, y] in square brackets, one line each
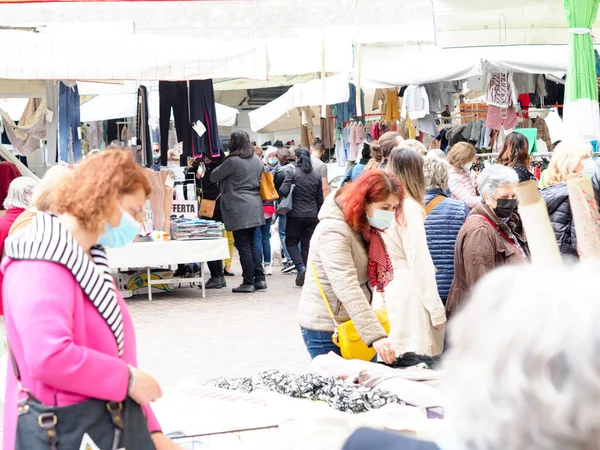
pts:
[340, 258]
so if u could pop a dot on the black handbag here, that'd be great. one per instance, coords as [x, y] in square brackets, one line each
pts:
[92, 424]
[286, 204]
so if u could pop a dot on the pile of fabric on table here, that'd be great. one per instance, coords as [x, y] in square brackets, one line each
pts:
[337, 392]
[186, 229]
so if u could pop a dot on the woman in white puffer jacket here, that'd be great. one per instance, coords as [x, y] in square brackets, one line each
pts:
[460, 183]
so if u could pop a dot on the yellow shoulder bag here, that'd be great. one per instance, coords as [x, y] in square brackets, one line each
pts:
[345, 335]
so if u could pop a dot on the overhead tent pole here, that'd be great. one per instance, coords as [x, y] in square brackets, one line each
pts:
[581, 113]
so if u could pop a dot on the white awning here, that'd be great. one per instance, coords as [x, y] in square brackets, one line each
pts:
[337, 90]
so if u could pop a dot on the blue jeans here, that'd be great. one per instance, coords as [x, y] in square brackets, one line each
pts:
[319, 343]
[282, 218]
[68, 123]
[262, 241]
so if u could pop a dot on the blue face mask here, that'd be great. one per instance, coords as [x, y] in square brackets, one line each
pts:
[272, 162]
[121, 235]
[381, 219]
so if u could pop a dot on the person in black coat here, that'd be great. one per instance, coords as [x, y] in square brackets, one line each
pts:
[567, 162]
[303, 218]
[210, 190]
[287, 163]
[515, 154]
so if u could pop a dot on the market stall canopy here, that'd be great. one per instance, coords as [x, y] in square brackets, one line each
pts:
[333, 90]
[469, 23]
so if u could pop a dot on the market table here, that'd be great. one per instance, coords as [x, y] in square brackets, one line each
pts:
[166, 253]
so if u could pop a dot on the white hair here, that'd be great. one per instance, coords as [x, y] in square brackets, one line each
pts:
[52, 179]
[437, 153]
[493, 177]
[20, 192]
[269, 152]
[523, 370]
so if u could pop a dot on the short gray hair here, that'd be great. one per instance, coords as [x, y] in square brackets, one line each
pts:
[437, 153]
[493, 177]
[20, 192]
[538, 388]
[51, 180]
[437, 172]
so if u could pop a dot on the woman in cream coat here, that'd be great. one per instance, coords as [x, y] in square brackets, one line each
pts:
[416, 312]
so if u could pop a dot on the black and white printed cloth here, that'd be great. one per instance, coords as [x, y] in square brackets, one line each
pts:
[339, 394]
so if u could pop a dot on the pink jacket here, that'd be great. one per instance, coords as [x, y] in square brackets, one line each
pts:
[462, 187]
[65, 351]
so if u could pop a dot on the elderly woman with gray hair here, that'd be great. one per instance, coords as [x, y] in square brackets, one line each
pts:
[445, 217]
[17, 201]
[492, 235]
[510, 382]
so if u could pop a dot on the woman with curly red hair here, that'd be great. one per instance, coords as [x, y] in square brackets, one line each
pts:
[351, 260]
[69, 331]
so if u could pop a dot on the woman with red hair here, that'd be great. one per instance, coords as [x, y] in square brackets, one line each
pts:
[350, 259]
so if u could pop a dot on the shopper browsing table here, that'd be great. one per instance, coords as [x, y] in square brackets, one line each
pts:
[351, 260]
[67, 325]
[417, 314]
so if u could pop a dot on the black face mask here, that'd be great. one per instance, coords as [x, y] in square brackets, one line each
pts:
[505, 207]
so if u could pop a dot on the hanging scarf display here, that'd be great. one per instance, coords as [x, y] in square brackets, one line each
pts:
[381, 271]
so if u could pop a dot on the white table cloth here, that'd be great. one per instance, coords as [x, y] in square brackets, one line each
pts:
[166, 253]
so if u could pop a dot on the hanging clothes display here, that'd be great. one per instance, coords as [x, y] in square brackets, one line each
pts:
[52, 95]
[392, 108]
[357, 137]
[343, 112]
[328, 129]
[69, 122]
[307, 135]
[174, 94]
[143, 134]
[26, 136]
[416, 102]
[501, 91]
[202, 108]
[379, 100]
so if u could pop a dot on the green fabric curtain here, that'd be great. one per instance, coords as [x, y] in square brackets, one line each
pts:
[582, 117]
[581, 79]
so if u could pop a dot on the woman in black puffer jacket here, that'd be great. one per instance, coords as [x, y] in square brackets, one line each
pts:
[567, 161]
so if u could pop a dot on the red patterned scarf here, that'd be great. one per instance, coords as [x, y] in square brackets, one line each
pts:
[381, 271]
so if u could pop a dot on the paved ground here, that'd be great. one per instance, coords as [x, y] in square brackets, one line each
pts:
[182, 336]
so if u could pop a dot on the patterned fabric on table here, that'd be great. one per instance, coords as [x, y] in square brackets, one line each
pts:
[338, 393]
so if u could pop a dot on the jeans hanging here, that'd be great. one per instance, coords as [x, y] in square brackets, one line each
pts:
[202, 108]
[68, 122]
[143, 133]
[174, 94]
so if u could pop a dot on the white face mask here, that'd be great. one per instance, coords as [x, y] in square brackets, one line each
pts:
[589, 167]
[467, 166]
[381, 219]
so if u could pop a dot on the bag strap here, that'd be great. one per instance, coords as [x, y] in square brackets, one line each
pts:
[433, 203]
[323, 296]
[13, 362]
[502, 233]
